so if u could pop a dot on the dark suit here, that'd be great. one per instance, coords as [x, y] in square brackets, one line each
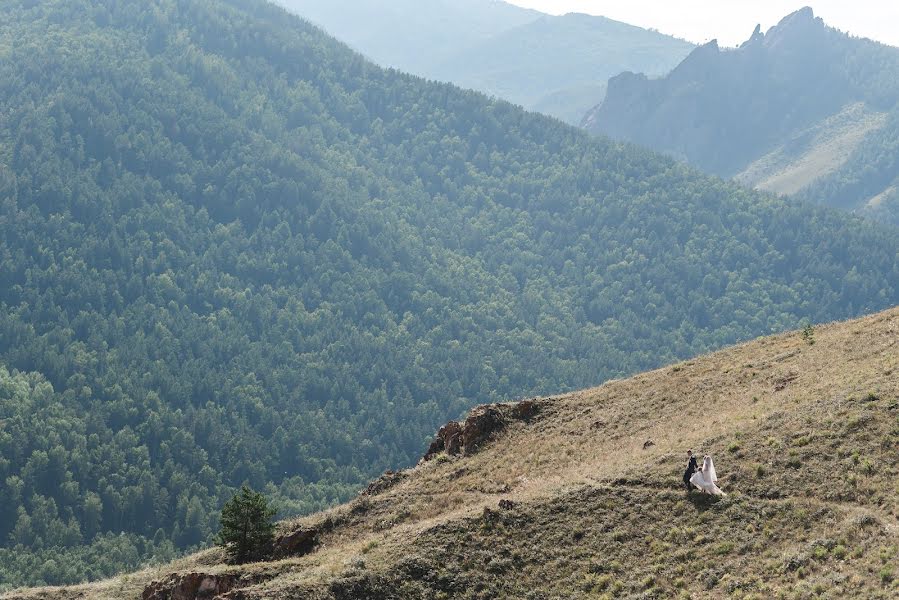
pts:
[691, 468]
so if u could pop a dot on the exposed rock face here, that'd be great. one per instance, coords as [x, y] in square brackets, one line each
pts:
[193, 586]
[482, 422]
[296, 543]
[525, 409]
[449, 440]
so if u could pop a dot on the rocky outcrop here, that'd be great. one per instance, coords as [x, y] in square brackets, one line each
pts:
[385, 482]
[448, 440]
[480, 425]
[525, 410]
[195, 586]
[467, 436]
[296, 543]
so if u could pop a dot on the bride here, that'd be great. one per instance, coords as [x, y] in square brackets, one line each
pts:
[706, 478]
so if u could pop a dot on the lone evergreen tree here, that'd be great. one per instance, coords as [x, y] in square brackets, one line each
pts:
[247, 526]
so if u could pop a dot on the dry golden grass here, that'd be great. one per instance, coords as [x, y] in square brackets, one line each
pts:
[805, 437]
[814, 153]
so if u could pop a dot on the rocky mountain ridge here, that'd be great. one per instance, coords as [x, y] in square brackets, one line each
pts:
[770, 112]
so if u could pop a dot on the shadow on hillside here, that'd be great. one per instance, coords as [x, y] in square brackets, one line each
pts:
[702, 502]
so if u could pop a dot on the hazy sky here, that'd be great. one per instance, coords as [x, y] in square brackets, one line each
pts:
[732, 21]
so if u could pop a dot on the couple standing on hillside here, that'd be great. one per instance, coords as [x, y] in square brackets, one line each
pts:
[705, 478]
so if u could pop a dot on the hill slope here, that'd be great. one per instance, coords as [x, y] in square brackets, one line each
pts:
[233, 250]
[555, 65]
[412, 35]
[803, 108]
[579, 496]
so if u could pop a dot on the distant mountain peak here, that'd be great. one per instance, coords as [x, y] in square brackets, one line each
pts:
[803, 14]
[756, 37]
[696, 63]
[794, 26]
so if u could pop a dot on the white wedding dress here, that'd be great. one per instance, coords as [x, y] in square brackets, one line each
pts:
[706, 478]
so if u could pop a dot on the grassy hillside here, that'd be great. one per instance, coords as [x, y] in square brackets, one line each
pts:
[815, 153]
[234, 251]
[803, 109]
[582, 498]
[867, 181]
[557, 65]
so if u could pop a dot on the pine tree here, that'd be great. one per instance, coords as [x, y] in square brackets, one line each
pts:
[247, 526]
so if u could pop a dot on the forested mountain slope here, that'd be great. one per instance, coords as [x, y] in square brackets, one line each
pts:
[580, 496]
[557, 65]
[803, 109]
[232, 250]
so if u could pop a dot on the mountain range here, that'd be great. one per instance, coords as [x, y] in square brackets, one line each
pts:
[235, 251]
[802, 110]
[557, 65]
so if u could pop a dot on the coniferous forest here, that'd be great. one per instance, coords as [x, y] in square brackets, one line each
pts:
[232, 251]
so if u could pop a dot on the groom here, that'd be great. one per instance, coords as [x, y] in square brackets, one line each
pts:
[691, 468]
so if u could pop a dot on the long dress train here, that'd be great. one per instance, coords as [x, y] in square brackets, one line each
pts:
[706, 478]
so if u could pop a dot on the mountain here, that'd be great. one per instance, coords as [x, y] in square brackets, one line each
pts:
[232, 250]
[801, 110]
[580, 495]
[413, 35]
[555, 65]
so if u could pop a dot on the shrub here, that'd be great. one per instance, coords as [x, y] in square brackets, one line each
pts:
[808, 334]
[596, 583]
[724, 548]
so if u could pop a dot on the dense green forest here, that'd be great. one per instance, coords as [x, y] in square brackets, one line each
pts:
[721, 109]
[233, 251]
[557, 65]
